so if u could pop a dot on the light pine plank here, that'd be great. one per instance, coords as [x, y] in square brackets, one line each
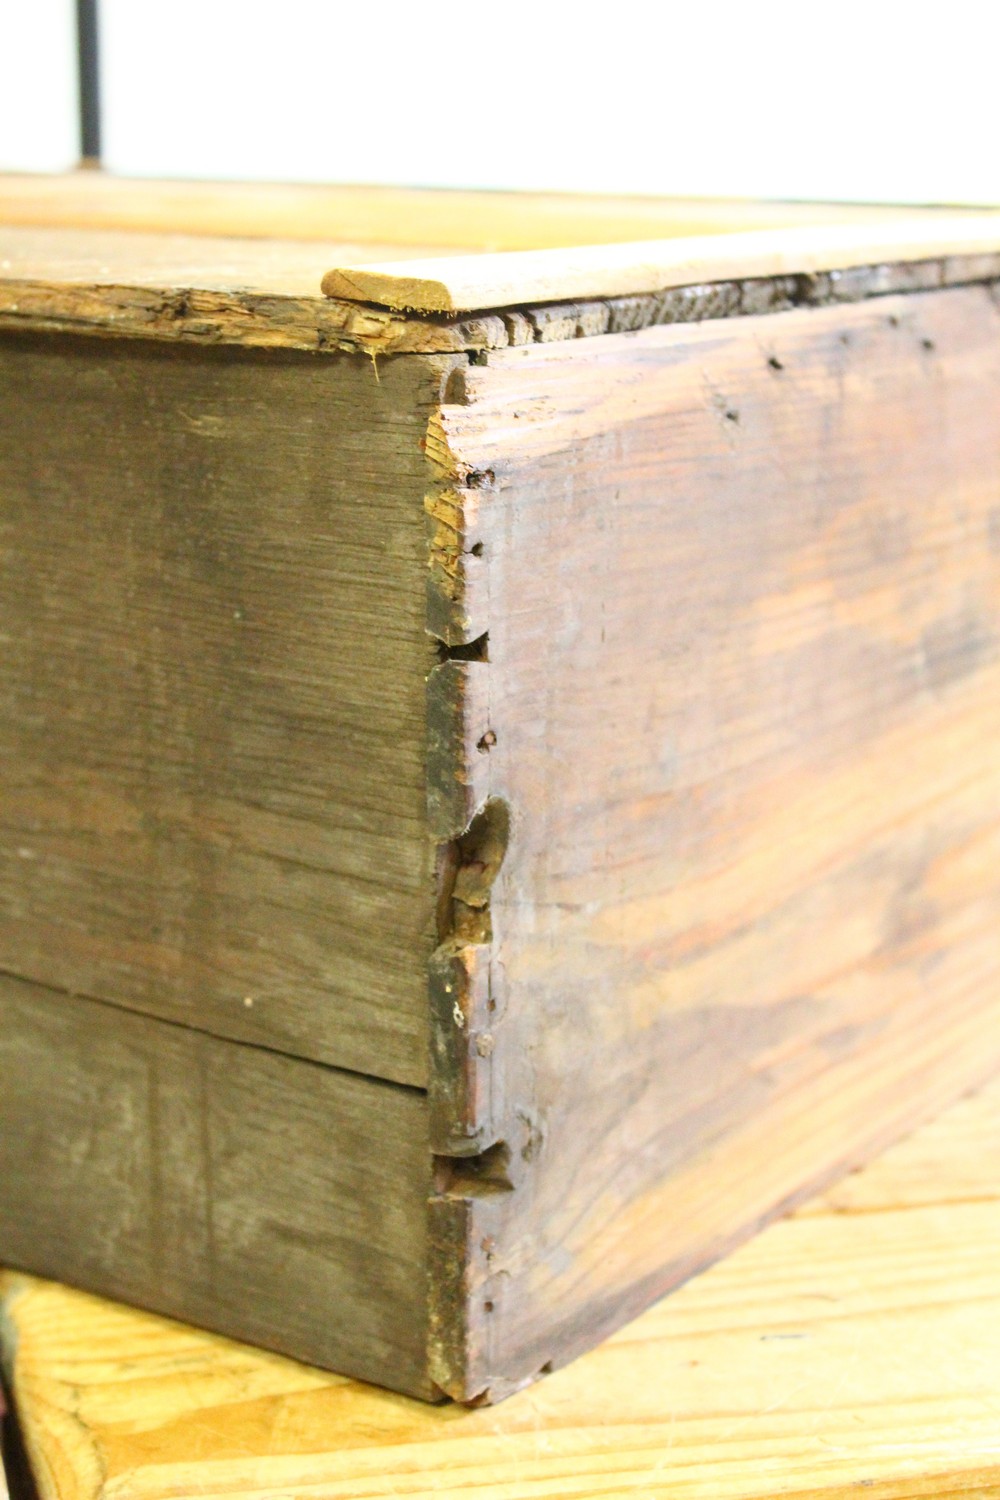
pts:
[508, 280]
[81, 255]
[855, 1345]
[253, 1193]
[462, 220]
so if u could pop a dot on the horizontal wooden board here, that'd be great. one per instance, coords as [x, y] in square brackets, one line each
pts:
[740, 691]
[268, 1198]
[212, 720]
[200, 291]
[852, 1349]
[105, 284]
[462, 220]
[469, 283]
[244, 263]
[83, 256]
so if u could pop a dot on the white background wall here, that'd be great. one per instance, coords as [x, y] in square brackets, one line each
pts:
[876, 101]
[39, 108]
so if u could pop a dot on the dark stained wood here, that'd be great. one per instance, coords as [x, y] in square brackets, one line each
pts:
[272, 1199]
[212, 741]
[741, 583]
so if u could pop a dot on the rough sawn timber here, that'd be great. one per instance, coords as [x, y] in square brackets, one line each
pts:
[736, 590]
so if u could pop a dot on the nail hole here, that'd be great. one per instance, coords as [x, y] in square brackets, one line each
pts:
[476, 549]
[487, 1307]
[487, 742]
[732, 415]
[477, 650]
[927, 344]
[775, 362]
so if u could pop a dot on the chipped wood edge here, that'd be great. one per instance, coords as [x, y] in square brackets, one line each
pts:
[476, 1174]
[522, 277]
[249, 319]
[328, 326]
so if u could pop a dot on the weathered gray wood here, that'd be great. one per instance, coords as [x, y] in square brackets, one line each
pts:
[741, 695]
[212, 733]
[279, 1201]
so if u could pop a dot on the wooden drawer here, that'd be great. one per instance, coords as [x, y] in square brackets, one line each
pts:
[500, 790]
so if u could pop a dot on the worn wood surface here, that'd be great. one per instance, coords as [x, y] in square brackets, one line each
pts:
[851, 1349]
[201, 291]
[242, 263]
[271, 267]
[462, 220]
[250, 1192]
[212, 734]
[711, 642]
[738, 594]
[474, 282]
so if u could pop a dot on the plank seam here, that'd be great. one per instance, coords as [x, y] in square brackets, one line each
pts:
[219, 1036]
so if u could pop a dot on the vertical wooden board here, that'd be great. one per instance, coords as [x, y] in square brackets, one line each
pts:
[276, 1200]
[743, 588]
[211, 690]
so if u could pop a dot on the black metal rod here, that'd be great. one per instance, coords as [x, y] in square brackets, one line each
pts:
[89, 66]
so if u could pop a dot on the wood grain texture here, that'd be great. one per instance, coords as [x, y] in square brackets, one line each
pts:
[850, 1348]
[212, 722]
[253, 1193]
[478, 282]
[741, 584]
[271, 267]
[257, 294]
[241, 264]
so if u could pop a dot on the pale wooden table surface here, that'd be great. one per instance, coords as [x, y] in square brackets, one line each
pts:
[852, 1349]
